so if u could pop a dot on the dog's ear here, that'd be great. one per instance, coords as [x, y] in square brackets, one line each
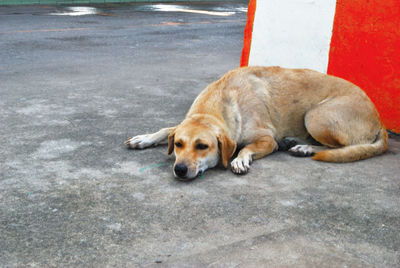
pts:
[227, 147]
[171, 142]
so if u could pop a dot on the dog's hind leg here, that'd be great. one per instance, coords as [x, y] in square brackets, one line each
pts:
[350, 126]
[148, 140]
[341, 122]
[256, 150]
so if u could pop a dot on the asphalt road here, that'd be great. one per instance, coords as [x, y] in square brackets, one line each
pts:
[73, 88]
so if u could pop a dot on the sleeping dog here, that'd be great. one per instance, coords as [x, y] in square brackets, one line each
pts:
[258, 107]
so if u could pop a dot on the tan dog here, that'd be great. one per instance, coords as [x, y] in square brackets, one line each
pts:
[256, 107]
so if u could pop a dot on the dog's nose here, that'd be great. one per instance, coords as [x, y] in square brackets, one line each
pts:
[181, 170]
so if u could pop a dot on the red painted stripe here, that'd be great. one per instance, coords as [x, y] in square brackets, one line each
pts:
[365, 49]
[248, 31]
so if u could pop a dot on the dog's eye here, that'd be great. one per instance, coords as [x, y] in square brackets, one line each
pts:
[201, 146]
[178, 144]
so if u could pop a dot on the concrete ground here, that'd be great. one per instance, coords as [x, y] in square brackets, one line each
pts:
[73, 88]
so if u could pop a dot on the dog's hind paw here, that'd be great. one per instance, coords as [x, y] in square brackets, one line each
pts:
[139, 142]
[286, 144]
[301, 150]
[241, 165]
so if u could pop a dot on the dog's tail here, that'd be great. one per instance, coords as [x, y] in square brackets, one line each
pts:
[355, 152]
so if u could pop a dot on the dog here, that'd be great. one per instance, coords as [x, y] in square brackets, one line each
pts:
[258, 108]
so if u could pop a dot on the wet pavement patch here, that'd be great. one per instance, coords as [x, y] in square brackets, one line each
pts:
[77, 11]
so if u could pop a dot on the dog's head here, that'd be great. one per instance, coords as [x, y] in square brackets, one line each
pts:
[197, 147]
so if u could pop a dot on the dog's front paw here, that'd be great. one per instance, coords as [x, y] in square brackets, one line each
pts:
[241, 165]
[301, 150]
[139, 142]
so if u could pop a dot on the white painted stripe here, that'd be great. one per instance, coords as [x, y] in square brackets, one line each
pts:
[292, 33]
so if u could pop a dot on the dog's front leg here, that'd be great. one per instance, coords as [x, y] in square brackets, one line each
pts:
[147, 140]
[258, 149]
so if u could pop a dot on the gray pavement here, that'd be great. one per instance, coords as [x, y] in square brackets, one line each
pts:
[73, 88]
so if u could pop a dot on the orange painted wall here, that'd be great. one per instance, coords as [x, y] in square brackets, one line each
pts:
[365, 49]
[248, 31]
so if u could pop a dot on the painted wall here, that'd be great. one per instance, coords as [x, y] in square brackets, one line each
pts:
[357, 40]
